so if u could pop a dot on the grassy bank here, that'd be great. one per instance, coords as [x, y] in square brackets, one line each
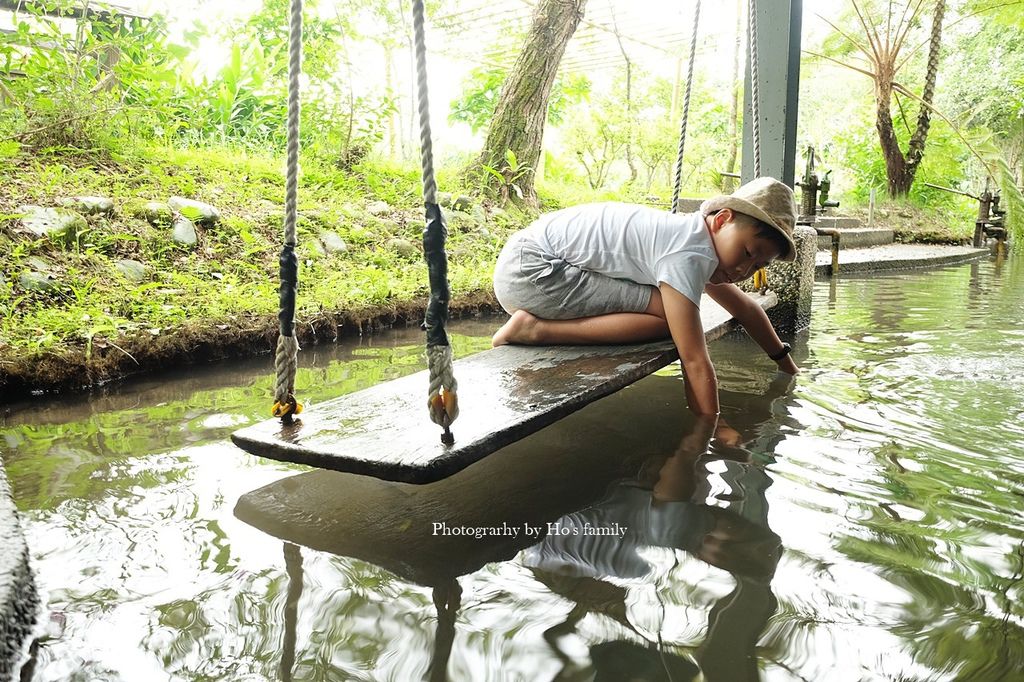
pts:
[219, 297]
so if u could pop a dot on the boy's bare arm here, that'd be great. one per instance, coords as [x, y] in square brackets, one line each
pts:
[684, 323]
[753, 318]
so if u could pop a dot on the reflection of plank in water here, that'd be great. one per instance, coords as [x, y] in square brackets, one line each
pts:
[537, 480]
[506, 394]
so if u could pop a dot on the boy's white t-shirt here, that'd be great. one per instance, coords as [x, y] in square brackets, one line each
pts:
[627, 241]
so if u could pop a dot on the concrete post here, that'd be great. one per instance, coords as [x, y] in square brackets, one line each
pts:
[18, 600]
[778, 51]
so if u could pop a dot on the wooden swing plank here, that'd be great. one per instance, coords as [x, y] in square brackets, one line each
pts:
[505, 394]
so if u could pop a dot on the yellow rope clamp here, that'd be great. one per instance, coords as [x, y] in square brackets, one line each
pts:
[290, 407]
[444, 407]
[761, 280]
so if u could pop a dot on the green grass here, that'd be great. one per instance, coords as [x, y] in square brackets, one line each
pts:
[230, 278]
[232, 273]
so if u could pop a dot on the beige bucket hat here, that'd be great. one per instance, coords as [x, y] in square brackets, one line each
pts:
[766, 199]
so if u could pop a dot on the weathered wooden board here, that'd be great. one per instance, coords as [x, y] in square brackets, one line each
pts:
[504, 394]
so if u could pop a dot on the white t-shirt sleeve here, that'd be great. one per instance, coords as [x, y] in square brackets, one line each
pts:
[686, 272]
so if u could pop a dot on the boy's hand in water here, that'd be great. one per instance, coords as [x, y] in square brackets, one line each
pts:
[787, 365]
[726, 435]
[696, 442]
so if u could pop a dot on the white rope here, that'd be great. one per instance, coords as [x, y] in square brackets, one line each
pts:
[686, 110]
[439, 356]
[427, 151]
[755, 98]
[439, 361]
[286, 360]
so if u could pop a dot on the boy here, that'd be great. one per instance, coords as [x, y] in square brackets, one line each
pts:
[620, 273]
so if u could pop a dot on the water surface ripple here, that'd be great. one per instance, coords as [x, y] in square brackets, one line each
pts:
[863, 522]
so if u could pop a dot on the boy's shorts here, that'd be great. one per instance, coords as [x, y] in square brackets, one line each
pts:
[527, 278]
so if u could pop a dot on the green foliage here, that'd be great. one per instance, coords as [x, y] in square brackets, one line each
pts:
[1005, 181]
[79, 90]
[597, 141]
[598, 137]
[232, 276]
[482, 87]
[509, 176]
[107, 82]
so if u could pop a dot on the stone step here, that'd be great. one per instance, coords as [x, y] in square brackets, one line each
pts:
[839, 221]
[855, 238]
[896, 257]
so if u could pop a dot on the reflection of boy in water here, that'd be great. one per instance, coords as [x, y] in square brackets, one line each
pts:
[714, 509]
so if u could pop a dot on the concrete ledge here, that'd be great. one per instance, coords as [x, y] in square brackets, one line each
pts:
[18, 600]
[856, 238]
[897, 257]
[690, 205]
[838, 221]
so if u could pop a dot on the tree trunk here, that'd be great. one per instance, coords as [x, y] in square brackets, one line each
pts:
[900, 170]
[895, 164]
[518, 122]
[915, 150]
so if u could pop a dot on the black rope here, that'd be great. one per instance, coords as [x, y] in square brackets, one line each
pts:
[289, 274]
[435, 233]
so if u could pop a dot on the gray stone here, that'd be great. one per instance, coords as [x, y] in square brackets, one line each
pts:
[403, 247]
[39, 264]
[478, 213]
[312, 248]
[19, 602]
[444, 199]
[56, 223]
[459, 221]
[184, 232]
[155, 213]
[89, 205]
[317, 217]
[198, 212]
[462, 203]
[37, 281]
[133, 270]
[332, 241]
[378, 208]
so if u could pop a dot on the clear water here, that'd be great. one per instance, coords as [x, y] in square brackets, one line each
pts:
[864, 522]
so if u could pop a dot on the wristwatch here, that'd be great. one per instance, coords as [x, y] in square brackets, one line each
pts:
[786, 348]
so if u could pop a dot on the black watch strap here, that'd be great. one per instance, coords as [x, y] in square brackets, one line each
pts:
[786, 349]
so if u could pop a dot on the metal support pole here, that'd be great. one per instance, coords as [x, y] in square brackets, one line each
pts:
[984, 204]
[778, 46]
